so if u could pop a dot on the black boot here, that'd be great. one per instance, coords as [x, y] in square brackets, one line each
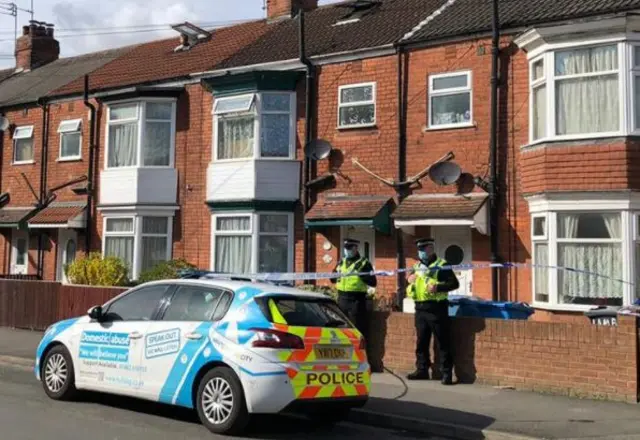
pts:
[447, 379]
[419, 375]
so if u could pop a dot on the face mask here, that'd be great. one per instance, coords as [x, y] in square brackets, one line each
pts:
[349, 253]
[423, 255]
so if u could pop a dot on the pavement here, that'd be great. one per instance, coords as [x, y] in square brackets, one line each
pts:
[396, 409]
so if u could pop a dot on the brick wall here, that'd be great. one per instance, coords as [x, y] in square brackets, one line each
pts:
[569, 358]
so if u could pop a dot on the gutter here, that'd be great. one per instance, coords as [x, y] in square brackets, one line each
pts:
[309, 101]
[92, 129]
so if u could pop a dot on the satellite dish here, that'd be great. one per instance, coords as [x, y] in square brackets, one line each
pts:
[445, 173]
[4, 123]
[318, 149]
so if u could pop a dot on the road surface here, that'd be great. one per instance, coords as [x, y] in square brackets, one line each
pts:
[26, 414]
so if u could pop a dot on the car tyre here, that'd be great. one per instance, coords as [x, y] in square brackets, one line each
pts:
[221, 403]
[58, 376]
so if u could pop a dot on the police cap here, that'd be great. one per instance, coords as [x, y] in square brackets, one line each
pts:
[349, 242]
[423, 242]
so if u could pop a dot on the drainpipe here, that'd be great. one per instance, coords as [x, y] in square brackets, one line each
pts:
[493, 183]
[42, 103]
[402, 170]
[90, 166]
[309, 101]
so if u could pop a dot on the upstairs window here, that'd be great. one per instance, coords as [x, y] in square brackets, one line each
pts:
[23, 145]
[357, 105]
[141, 134]
[70, 139]
[576, 93]
[258, 125]
[450, 100]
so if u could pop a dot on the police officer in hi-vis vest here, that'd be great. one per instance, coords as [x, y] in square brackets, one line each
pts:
[429, 288]
[352, 291]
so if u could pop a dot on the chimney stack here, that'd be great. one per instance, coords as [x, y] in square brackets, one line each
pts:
[283, 9]
[37, 46]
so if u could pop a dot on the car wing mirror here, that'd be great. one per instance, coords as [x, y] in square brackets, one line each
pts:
[95, 313]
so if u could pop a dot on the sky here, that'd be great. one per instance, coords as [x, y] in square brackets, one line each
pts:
[81, 27]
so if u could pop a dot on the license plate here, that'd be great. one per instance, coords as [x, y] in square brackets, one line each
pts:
[332, 353]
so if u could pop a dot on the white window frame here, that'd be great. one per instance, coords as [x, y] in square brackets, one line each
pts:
[141, 111]
[137, 235]
[373, 101]
[30, 130]
[254, 232]
[553, 204]
[535, 239]
[450, 91]
[63, 132]
[626, 73]
[256, 101]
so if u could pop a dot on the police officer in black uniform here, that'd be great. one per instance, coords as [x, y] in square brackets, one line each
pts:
[429, 287]
[352, 291]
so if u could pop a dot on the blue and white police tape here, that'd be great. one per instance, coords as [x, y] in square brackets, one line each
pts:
[311, 276]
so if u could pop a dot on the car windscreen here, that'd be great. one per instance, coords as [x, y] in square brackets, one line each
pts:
[303, 312]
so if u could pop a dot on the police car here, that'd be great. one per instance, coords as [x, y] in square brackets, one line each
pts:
[226, 348]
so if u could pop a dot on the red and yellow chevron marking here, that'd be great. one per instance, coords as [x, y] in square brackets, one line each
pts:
[324, 336]
[329, 384]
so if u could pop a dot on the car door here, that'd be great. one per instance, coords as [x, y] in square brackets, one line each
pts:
[109, 352]
[178, 336]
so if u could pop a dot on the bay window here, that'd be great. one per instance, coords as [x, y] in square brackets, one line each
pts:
[258, 125]
[141, 242]
[591, 243]
[252, 242]
[584, 90]
[141, 134]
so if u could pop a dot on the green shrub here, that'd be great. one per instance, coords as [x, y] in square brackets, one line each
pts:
[165, 271]
[94, 270]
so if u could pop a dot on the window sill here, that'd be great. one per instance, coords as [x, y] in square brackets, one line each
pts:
[450, 127]
[28, 162]
[576, 139]
[108, 169]
[69, 159]
[373, 126]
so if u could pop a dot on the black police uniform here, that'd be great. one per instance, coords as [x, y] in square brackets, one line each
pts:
[432, 317]
[354, 304]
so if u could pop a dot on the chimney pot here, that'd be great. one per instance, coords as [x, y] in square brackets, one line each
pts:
[36, 47]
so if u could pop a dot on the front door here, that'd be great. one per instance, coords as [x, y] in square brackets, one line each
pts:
[367, 238]
[453, 243]
[67, 247]
[19, 252]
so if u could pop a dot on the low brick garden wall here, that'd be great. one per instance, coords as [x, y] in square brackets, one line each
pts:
[568, 358]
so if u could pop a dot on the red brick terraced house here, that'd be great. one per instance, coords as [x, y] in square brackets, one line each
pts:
[200, 151]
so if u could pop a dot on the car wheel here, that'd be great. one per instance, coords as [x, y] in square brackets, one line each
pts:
[58, 377]
[221, 403]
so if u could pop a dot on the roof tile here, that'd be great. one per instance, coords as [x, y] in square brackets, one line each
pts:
[419, 206]
[466, 17]
[157, 61]
[347, 208]
[57, 215]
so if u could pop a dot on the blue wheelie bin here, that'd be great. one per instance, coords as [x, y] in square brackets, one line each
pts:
[464, 306]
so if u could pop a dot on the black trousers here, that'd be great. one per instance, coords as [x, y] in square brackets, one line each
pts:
[432, 317]
[354, 305]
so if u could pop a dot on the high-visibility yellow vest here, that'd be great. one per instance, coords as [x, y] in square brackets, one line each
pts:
[419, 290]
[353, 283]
